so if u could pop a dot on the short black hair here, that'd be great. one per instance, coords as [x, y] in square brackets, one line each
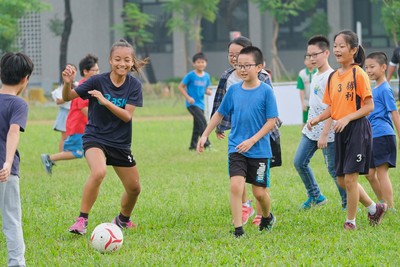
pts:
[87, 63]
[255, 52]
[319, 40]
[14, 67]
[242, 41]
[380, 57]
[198, 56]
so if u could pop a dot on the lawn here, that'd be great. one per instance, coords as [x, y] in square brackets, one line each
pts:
[183, 212]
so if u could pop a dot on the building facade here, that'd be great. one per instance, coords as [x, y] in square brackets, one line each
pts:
[94, 21]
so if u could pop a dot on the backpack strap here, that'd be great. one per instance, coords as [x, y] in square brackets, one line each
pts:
[329, 81]
[358, 98]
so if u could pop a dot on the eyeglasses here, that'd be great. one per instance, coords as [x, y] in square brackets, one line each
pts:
[309, 56]
[245, 66]
[94, 70]
[233, 55]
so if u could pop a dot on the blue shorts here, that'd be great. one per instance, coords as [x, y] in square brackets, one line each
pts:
[256, 171]
[384, 151]
[353, 147]
[74, 144]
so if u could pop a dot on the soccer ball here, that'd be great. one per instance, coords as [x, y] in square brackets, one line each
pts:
[107, 237]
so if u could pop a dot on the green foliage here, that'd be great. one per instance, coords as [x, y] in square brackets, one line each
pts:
[183, 212]
[319, 25]
[390, 17]
[10, 13]
[56, 25]
[281, 10]
[135, 25]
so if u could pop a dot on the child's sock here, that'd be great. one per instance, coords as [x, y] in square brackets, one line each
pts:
[123, 218]
[247, 203]
[372, 208]
[84, 215]
[239, 231]
[351, 221]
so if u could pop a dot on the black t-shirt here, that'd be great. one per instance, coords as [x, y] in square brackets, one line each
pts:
[103, 126]
[396, 59]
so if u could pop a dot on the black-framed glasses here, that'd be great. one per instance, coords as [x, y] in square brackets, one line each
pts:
[233, 55]
[245, 66]
[309, 56]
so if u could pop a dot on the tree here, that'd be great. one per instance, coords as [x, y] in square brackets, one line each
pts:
[135, 27]
[280, 11]
[10, 14]
[391, 18]
[187, 16]
[319, 25]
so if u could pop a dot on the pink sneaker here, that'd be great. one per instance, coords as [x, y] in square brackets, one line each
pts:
[257, 220]
[349, 226]
[376, 219]
[123, 225]
[247, 212]
[79, 227]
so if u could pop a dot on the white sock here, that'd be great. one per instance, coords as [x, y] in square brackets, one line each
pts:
[372, 208]
[247, 203]
[351, 221]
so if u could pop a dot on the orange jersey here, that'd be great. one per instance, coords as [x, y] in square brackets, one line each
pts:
[342, 94]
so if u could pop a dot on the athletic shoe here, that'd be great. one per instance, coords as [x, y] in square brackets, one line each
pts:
[378, 216]
[349, 226]
[314, 202]
[257, 220]
[267, 225]
[47, 163]
[123, 225]
[238, 233]
[79, 227]
[247, 212]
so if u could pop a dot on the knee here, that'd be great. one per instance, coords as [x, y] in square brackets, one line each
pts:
[134, 190]
[98, 174]
[236, 189]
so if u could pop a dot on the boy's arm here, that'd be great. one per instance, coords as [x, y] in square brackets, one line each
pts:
[396, 121]
[303, 104]
[208, 91]
[182, 89]
[391, 69]
[214, 121]
[326, 114]
[323, 138]
[247, 144]
[11, 148]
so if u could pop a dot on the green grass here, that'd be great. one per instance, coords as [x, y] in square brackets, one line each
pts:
[183, 212]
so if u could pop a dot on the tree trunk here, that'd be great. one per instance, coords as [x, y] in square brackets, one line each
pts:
[197, 34]
[65, 36]
[276, 73]
[149, 68]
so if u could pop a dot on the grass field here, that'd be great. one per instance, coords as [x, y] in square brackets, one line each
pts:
[183, 213]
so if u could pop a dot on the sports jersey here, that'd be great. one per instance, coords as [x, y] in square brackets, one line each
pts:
[196, 87]
[317, 89]
[76, 120]
[103, 126]
[343, 95]
[380, 118]
[303, 82]
[249, 110]
[13, 110]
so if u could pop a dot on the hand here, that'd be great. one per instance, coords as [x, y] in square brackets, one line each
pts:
[311, 123]
[245, 146]
[5, 172]
[191, 100]
[304, 107]
[200, 144]
[68, 74]
[220, 136]
[340, 125]
[323, 141]
[97, 94]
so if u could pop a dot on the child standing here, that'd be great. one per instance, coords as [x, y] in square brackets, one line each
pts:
[304, 79]
[16, 69]
[254, 116]
[384, 136]
[322, 135]
[76, 120]
[113, 97]
[193, 87]
[349, 99]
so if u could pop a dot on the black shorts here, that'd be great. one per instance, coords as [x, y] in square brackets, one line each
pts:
[353, 148]
[256, 171]
[114, 156]
[384, 150]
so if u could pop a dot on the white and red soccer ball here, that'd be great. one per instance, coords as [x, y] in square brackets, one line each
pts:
[107, 237]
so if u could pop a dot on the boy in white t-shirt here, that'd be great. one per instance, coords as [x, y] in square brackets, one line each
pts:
[322, 135]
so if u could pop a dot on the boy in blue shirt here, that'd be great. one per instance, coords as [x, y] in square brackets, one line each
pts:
[193, 87]
[384, 137]
[253, 111]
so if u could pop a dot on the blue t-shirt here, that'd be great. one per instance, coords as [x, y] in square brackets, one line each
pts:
[249, 110]
[381, 117]
[103, 126]
[13, 110]
[196, 87]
